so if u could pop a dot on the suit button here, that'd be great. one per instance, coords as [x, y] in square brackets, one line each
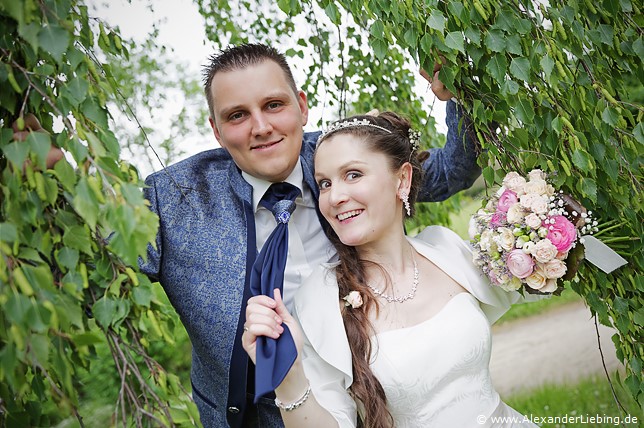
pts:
[234, 410]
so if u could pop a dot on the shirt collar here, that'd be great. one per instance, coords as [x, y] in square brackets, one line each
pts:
[296, 178]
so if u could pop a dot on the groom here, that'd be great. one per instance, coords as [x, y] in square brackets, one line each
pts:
[212, 224]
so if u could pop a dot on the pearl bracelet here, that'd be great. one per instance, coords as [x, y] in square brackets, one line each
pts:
[295, 404]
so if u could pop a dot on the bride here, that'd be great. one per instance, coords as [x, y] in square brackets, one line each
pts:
[396, 333]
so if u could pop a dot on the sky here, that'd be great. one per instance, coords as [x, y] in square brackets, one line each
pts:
[182, 30]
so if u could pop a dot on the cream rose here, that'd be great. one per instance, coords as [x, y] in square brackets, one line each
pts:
[550, 287]
[540, 187]
[526, 200]
[514, 182]
[536, 174]
[537, 280]
[353, 299]
[544, 251]
[539, 204]
[515, 214]
[505, 238]
[533, 221]
[554, 269]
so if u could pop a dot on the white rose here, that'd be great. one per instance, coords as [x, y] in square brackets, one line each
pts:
[544, 251]
[533, 221]
[526, 200]
[539, 187]
[486, 240]
[515, 214]
[514, 182]
[551, 286]
[554, 269]
[537, 280]
[550, 190]
[506, 238]
[353, 299]
[536, 174]
[539, 204]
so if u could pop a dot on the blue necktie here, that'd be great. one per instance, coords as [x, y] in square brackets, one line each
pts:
[274, 357]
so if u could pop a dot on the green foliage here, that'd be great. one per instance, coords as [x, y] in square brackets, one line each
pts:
[71, 234]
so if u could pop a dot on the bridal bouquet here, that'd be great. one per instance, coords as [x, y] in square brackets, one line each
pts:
[525, 233]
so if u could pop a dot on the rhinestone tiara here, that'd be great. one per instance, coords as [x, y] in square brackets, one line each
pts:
[354, 123]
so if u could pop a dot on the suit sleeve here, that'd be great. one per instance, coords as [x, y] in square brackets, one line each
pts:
[453, 167]
[151, 266]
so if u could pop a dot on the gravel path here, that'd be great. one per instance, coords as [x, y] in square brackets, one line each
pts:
[559, 346]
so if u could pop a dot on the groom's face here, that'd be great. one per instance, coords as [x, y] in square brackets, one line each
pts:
[259, 119]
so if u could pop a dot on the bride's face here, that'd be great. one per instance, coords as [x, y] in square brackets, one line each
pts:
[358, 190]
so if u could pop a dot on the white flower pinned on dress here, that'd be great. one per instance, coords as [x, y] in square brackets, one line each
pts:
[353, 299]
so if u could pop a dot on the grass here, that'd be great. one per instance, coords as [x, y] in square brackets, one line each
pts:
[539, 307]
[550, 405]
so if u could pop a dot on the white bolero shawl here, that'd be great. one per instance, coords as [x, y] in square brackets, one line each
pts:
[326, 354]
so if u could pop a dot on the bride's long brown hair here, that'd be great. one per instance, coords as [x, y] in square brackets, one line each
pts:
[350, 272]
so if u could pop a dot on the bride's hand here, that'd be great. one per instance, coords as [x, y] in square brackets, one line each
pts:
[265, 317]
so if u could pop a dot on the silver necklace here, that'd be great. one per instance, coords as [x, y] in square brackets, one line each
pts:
[401, 299]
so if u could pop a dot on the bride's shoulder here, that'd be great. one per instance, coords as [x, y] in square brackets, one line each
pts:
[440, 237]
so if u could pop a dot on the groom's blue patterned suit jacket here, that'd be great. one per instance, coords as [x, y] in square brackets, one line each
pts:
[206, 245]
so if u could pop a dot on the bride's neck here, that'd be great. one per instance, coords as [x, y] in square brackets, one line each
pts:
[393, 254]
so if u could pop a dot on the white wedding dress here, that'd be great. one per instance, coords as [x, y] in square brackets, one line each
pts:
[436, 373]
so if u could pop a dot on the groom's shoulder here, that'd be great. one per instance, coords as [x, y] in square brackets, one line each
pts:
[208, 161]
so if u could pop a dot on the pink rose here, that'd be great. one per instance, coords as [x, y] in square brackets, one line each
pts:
[498, 219]
[506, 200]
[561, 232]
[519, 263]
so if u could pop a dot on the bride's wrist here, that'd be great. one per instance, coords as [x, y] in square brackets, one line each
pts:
[293, 386]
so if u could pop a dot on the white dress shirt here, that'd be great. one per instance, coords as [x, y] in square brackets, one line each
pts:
[303, 227]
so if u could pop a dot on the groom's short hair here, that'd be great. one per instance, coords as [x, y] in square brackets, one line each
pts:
[239, 57]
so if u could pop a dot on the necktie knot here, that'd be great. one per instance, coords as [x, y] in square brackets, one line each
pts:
[280, 200]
